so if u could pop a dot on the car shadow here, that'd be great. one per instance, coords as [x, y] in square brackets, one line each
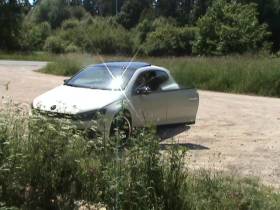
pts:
[170, 131]
[188, 146]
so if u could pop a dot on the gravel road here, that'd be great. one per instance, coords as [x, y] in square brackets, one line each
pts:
[235, 133]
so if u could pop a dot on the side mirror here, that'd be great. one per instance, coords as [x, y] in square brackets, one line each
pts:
[145, 90]
[65, 81]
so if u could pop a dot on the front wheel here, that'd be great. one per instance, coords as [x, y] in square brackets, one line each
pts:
[121, 127]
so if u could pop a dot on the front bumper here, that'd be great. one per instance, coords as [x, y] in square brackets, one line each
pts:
[93, 123]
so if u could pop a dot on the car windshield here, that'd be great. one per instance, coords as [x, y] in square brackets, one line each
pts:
[99, 77]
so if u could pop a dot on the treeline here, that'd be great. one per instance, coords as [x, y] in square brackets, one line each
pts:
[149, 27]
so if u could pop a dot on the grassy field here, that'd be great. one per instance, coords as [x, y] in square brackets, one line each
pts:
[254, 75]
[235, 74]
[46, 163]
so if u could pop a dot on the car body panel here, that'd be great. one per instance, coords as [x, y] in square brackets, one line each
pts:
[151, 107]
[182, 106]
[74, 100]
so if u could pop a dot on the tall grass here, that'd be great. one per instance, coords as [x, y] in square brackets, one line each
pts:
[69, 64]
[238, 74]
[48, 164]
[254, 75]
[29, 56]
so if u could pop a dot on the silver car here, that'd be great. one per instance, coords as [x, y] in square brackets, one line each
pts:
[127, 94]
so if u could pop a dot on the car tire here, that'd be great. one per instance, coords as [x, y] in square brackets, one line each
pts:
[121, 125]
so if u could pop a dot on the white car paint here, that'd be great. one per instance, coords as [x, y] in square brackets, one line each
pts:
[73, 100]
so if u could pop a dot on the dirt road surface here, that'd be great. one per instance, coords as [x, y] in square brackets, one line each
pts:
[235, 133]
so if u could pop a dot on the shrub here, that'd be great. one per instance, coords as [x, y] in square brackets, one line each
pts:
[230, 28]
[47, 163]
[63, 66]
[170, 40]
[52, 11]
[142, 30]
[147, 26]
[78, 12]
[41, 165]
[102, 36]
[70, 23]
[108, 40]
[34, 35]
[162, 21]
[55, 12]
[71, 48]
[55, 44]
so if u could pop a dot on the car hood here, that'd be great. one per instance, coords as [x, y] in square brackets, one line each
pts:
[74, 100]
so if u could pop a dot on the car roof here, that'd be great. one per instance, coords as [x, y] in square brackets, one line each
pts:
[124, 65]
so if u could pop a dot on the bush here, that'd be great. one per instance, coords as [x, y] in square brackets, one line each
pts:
[63, 66]
[170, 40]
[55, 12]
[72, 49]
[147, 26]
[46, 163]
[108, 40]
[35, 35]
[70, 23]
[230, 28]
[100, 36]
[55, 44]
[78, 12]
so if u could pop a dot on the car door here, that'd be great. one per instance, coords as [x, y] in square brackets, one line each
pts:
[182, 106]
[152, 105]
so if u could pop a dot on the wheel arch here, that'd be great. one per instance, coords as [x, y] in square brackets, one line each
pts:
[125, 113]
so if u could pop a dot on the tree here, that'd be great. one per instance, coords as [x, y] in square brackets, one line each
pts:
[56, 11]
[184, 11]
[199, 9]
[131, 12]
[90, 6]
[230, 28]
[269, 12]
[11, 15]
[166, 8]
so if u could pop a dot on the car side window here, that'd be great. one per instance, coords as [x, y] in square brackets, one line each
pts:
[152, 79]
[160, 79]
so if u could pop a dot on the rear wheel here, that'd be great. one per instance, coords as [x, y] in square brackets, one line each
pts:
[121, 126]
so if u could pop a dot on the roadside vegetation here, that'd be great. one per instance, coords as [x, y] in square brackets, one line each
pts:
[247, 74]
[33, 56]
[45, 163]
[255, 75]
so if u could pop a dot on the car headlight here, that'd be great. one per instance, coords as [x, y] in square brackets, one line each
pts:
[90, 115]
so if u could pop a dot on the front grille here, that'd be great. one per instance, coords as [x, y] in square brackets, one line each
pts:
[87, 116]
[54, 114]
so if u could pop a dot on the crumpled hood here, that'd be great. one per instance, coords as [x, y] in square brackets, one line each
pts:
[72, 100]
